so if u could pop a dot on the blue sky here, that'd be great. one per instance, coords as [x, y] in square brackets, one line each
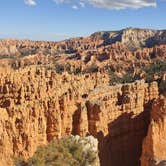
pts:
[60, 19]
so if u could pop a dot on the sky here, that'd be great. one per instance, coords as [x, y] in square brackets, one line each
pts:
[56, 20]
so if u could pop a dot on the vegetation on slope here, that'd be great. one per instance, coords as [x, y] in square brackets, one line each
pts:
[154, 68]
[70, 151]
[149, 71]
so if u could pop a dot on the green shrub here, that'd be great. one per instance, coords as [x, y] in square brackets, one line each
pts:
[150, 70]
[162, 87]
[70, 151]
[59, 68]
[154, 68]
[127, 78]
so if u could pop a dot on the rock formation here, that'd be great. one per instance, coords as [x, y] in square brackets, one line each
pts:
[133, 38]
[154, 146]
[119, 117]
[89, 54]
[50, 90]
[38, 105]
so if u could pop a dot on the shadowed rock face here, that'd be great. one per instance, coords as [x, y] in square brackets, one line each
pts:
[154, 146]
[119, 117]
[118, 148]
[133, 38]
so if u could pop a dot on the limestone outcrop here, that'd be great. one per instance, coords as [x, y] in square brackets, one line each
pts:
[133, 38]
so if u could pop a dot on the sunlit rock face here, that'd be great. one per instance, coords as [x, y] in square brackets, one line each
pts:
[38, 105]
[54, 89]
[154, 146]
[124, 51]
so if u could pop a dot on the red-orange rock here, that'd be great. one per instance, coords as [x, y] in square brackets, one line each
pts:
[154, 146]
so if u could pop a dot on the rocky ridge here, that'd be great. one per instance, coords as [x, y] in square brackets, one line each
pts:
[134, 38]
[90, 54]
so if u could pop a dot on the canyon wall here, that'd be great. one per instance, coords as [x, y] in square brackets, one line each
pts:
[38, 105]
[119, 116]
[54, 89]
[154, 146]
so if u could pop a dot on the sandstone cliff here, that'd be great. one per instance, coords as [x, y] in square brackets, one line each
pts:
[154, 146]
[38, 105]
[87, 54]
[54, 89]
[119, 117]
[133, 38]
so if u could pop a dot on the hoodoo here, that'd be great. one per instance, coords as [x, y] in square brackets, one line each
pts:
[108, 87]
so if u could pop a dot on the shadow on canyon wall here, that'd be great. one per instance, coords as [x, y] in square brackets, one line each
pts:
[123, 144]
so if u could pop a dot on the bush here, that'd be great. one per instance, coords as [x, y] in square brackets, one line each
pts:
[162, 87]
[127, 78]
[71, 151]
[59, 68]
[154, 68]
[150, 70]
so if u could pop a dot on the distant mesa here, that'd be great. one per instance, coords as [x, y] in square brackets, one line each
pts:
[133, 38]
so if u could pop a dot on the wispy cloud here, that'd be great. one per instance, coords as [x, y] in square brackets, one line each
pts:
[63, 1]
[30, 2]
[122, 4]
[82, 4]
[109, 4]
[75, 7]
[115, 4]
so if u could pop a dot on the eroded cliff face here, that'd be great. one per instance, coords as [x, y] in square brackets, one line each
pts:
[38, 105]
[119, 116]
[131, 38]
[154, 146]
[52, 89]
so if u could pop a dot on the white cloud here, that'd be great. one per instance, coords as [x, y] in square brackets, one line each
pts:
[62, 1]
[75, 7]
[109, 4]
[30, 2]
[82, 4]
[115, 4]
[122, 4]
